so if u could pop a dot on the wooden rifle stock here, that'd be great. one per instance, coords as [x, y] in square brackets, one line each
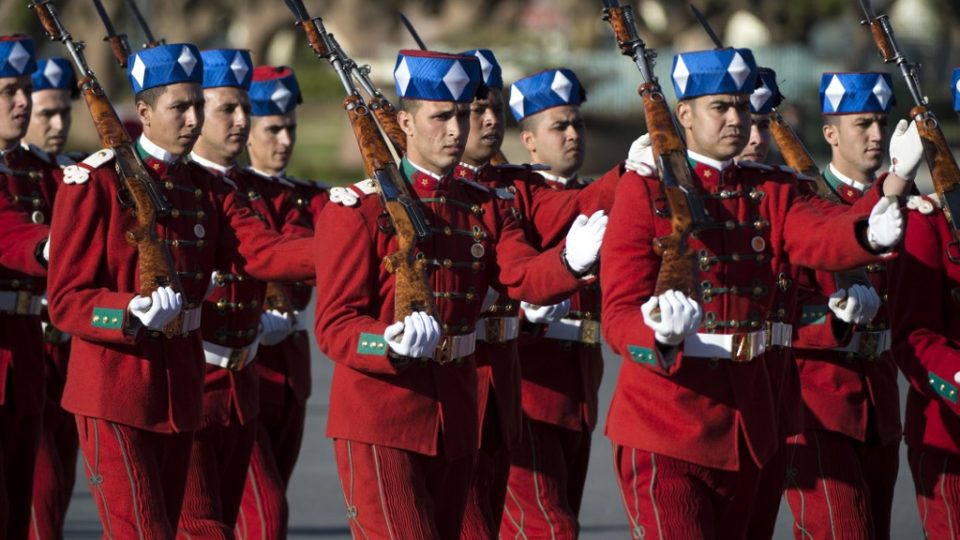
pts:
[120, 49]
[942, 164]
[386, 115]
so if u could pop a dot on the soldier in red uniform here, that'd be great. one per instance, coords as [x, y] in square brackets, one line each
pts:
[926, 333]
[692, 418]
[31, 183]
[545, 215]
[135, 388]
[842, 469]
[54, 89]
[284, 367]
[403, 412]
[560, 356]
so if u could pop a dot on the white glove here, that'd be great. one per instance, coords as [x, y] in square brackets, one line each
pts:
[679, 317]
[46, 250]
[275, 327]
[157, 311]
[956, 377]
[885, 224]
[212, 286]
[417, 336]
[860, 304]
[584, 239]
[906, 150]
[640, 157]
[545, 314]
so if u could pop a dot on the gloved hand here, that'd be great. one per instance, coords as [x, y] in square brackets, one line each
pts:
[956, 377]
[860, 304]
[906, 150]
[417, 336]
[885, 224]
[157, 311]
[679, 317]
[545, 314]
[212, 286]
[46, 249]
[275, 327]
[640, 157]
[583, 241]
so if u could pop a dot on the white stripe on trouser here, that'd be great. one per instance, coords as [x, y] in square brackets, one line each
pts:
[94, 477]
[536, 479]
[823, 482]
[519, 526]
[636, 531]
[653, 481]
[352, 513]
[133, 485]
[923, 489]
[943, 495]
[800, 523]
[383, 501]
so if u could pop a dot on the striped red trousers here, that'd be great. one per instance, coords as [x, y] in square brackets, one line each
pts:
[936, 479]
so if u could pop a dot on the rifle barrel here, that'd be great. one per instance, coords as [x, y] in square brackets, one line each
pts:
[141, 21]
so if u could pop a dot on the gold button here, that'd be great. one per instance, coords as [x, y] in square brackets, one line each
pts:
[443, 199]
[447, 231]
[447, 263]
[168, 185]
[96, 318]
[201, 214]
[175, 243]
[201, 243]
[175, 213]
[114, 320]
[198, 193]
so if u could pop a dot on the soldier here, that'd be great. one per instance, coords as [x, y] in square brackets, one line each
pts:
[926, 331]
[545, 215]
[30, 183]
[561, 361]
[284, 368]
[403, 406]
[848, 377]
[692, 419]
[54, 89]
[135, 385]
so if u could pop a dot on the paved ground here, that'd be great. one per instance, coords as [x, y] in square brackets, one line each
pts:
[317, 504]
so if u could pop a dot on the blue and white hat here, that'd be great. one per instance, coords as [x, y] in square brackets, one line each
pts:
[853, 93]
[767, 96]
[274, 91]
[18, 56]
[718, 71]
[545, 90]
[55, 74]
[489, 67]
[435, 76]
[164, 65]
[227, 67]
[955, 89]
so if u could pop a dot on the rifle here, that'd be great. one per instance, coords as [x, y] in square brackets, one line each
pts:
[118, 42]
[151, 40]
[678, 268]
[155, 264]
[943, 166]
[498, 158]
[412, 293]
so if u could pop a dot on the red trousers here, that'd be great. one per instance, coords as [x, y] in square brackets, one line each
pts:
[19, 437]
[137, 477]
[936, 480]
[279, 433]
[401, 495]
[838, 487]
[668, 498]
[219, 458]
[547, 474]
[766, 505]
[488, 488]
[54, 474]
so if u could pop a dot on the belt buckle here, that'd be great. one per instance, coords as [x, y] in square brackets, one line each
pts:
[868, 346]
[238, 359]
[495, 330]
[22, 306]
[747, 346]
[589, 332]
[174, 327]
[444, 352]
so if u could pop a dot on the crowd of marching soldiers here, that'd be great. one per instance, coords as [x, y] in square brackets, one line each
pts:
[472, 419]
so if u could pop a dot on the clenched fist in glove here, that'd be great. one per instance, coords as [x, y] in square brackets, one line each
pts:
[583, 241]
[679, 317]
[860, 304]
[640, 157]
[906, 150]
[275, 327]
[545, 314]
[417, 336]
[885, 224]
[159, 310]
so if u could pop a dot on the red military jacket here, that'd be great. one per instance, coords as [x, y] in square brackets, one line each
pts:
[845, 392]
[546, 215]
[925, 314]
[418, 406]
[30, 183]
[118, 371]
[698, 409]
[285, 367]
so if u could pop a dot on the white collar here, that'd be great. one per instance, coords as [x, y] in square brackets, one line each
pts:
[557, 178]
[3, 153]
[710, 162]
[474, 168]
[155, 151]
[426, 172]
[209, 164]
[859, 186]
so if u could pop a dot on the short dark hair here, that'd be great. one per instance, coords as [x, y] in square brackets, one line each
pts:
[530, 123]
[409, 105]
[150, 96]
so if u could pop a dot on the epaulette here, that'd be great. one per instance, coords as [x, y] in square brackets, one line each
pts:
[925, 204]
[351, 195]
[80, 173]
[500, 193]
[755, 165]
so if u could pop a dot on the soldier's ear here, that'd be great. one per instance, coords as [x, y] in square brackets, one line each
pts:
[685, 113]
[144, 112]
[405, 120]
[831, 134]
[529, 140]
